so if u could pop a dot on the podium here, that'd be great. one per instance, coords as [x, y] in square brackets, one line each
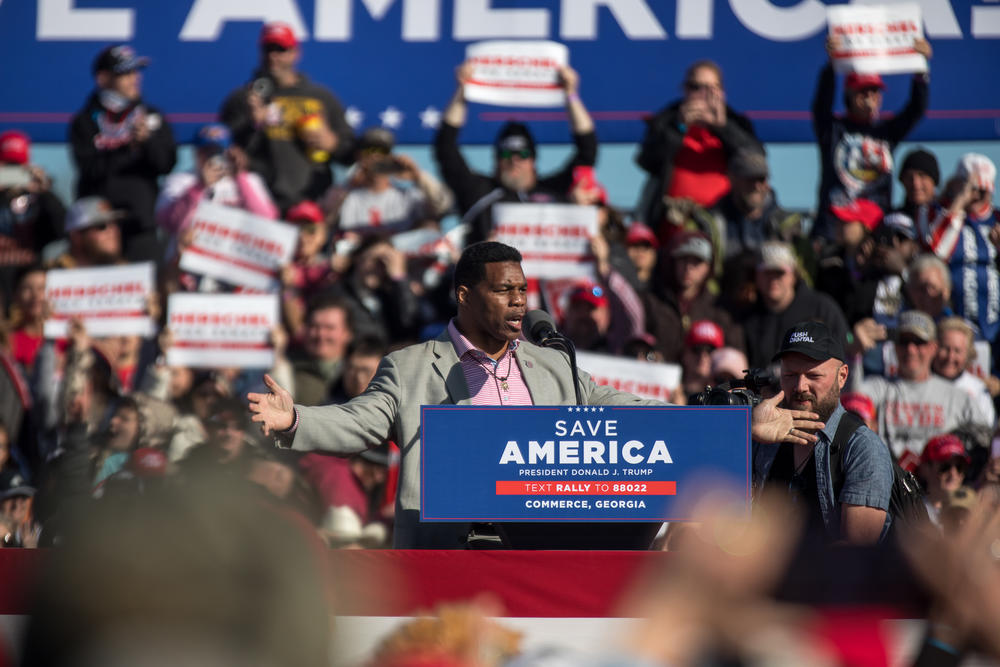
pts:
[579, 477]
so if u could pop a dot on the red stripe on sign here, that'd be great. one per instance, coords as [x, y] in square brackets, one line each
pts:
[220, 345]
[587, 488]
[243, 264]
[99, 314]
[903, 51]
[504, 84]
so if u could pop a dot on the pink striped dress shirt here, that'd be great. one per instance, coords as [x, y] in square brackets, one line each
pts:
[484, 376]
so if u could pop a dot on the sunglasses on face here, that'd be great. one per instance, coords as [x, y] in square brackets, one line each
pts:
[274, 48]
[910, 340]
[948, 465]
[99, 227]
[375, 150]
[524, 154]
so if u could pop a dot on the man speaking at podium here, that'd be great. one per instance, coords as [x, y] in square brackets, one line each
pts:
[478, 360]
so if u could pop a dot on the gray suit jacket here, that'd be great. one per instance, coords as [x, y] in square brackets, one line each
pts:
[430, 374]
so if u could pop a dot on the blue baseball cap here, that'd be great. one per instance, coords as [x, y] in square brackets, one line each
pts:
[216, 135]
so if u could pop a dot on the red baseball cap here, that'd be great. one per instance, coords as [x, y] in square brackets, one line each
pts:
[585, 176]
[148, 462]
[858, 81]
[944, 448]
[859, 404]
[14, 147]
[278, 33]
[304, 211]
[590, 293]
[865, 211]
[705, 332]
[639, 232]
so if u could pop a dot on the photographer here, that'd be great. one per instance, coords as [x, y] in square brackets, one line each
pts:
[290, 126]
[31, 215]
[122, 146]
[220, 176]
[845, 497]
[387, 192]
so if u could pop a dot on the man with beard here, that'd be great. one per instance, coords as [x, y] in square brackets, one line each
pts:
[514, 178]
[478, 360]
[94, 236]
[813, 372]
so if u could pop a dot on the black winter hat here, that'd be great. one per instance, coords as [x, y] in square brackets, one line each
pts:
[921, 160]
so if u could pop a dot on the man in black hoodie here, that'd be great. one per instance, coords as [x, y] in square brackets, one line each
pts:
[121, 146]
[290, 127]
[856, 149]
[515, 178]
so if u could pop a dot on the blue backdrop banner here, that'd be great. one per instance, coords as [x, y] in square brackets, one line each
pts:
[391, 62]
[579, 463]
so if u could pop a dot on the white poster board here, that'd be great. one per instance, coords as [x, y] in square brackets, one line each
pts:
[554, 239]
[516, 74]
[876, 39]
[221, 330]
[644, 379]
[111, 300]
[236, 246]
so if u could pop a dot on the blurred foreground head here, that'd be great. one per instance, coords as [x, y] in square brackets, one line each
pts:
[199, 574]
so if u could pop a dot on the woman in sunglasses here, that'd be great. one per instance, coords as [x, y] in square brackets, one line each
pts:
[942, 471]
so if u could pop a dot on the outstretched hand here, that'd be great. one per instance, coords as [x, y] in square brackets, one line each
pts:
[771, 423]
[275, 410]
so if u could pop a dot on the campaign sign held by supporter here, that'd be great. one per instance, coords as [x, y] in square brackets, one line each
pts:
[644, 379]
[517, 74]
[877, 39]
[111, 300]
[212, 330]
[238, 247]
[579, 463]
[554, 239]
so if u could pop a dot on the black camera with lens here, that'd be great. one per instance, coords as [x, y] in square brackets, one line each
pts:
[737, 392]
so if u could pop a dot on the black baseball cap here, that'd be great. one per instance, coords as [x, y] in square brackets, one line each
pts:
[813, 339]
[119, 59]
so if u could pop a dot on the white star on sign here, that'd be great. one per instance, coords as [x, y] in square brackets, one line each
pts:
[391, 117]
[354, 117]
[430, 118]
[600, 409]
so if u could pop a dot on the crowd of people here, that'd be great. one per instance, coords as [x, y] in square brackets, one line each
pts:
[708, 272]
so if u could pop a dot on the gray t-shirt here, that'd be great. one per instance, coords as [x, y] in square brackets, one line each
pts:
[911, 413]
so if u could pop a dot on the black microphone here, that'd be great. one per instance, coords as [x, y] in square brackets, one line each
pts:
[539, 327]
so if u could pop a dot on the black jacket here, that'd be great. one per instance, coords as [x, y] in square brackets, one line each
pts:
[275, 151]
[110, 165]
[664, 137]
[476, 193]
[763, 329]
[856, 158]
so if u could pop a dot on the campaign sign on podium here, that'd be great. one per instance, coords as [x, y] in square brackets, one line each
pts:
[578, 463]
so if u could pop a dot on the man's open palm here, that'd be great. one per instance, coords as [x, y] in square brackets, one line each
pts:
[275, 410]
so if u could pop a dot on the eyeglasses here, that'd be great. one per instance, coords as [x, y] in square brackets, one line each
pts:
[948, 465]
[274, 48]
[524, 154]
[99, 227]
